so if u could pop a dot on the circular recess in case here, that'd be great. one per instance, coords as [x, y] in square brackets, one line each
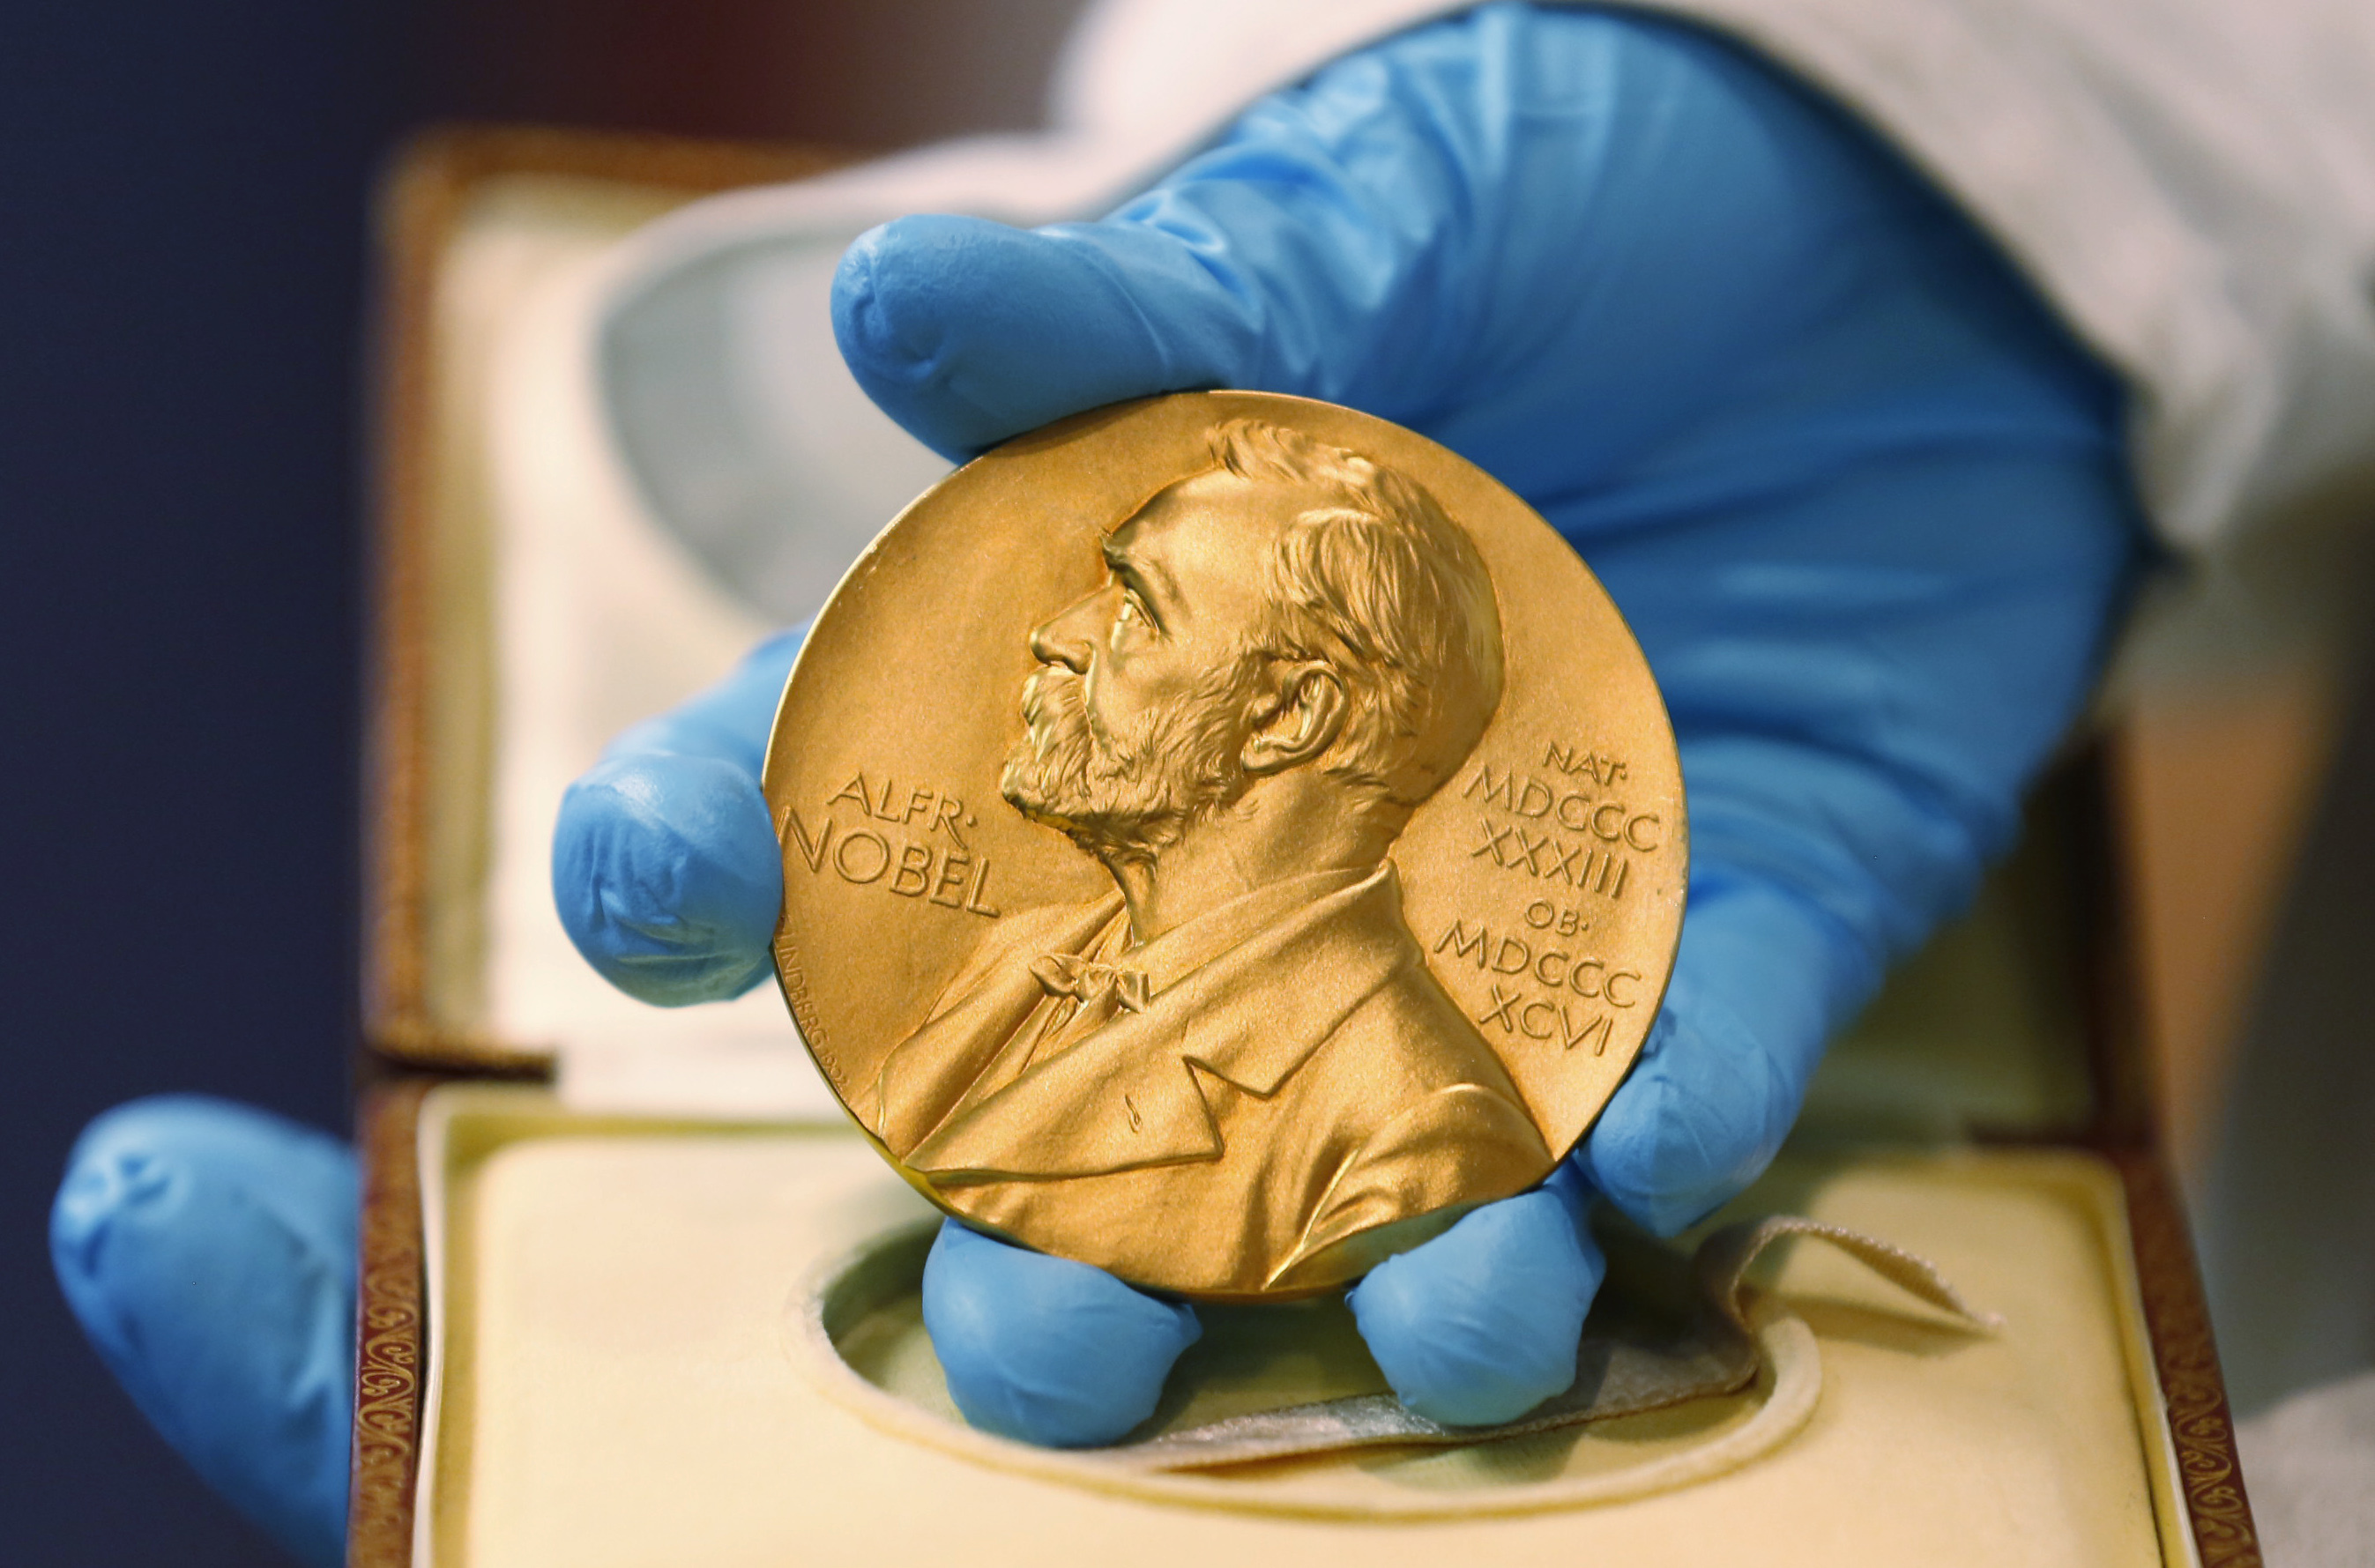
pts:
[856, 1326]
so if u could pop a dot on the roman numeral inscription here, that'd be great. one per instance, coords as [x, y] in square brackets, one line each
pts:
[1540, 991]
[1561, 826]
[927, 858]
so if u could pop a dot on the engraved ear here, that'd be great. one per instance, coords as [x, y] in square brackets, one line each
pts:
[1305, 717]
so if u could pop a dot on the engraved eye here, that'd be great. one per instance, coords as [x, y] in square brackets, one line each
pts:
[1130, 614]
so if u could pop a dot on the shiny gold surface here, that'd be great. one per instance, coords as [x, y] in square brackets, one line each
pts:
[1226, 837]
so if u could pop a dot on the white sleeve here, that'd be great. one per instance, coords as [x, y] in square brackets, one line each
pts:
[2191, 182]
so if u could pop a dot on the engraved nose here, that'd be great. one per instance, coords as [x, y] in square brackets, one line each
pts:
[1066, 638]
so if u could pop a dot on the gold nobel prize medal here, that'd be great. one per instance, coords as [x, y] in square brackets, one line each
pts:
[1226, 837]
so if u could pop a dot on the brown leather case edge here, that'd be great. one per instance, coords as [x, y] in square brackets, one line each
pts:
[2126, 1131]
[391, 1330]
[2185, 1356]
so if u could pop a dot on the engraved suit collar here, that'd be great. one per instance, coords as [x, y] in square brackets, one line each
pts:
[1126, 1096]
[1186, 947]
[931, 1069]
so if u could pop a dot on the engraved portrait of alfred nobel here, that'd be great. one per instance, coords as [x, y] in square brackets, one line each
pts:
[1237, 1065]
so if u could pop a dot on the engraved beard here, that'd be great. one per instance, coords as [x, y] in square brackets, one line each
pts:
[1128, 797]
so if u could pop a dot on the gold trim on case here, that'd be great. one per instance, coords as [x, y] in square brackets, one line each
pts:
[390, 1332]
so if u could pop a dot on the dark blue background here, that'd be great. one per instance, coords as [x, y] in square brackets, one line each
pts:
[181, 199]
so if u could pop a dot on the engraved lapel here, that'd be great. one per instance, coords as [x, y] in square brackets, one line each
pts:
[1126, 1097]
[928, 1074]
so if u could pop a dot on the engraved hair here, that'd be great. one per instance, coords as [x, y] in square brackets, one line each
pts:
[1379, 584]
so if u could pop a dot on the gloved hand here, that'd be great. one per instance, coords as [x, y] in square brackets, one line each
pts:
[209, 1251]
[1861, 499]
[1859, 495]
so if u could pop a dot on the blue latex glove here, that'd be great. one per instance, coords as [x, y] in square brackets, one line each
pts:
[1861, 499]
[665, 865]
[209, 1251]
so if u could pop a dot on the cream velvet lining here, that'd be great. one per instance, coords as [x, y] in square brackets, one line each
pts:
[560, 614]
[619, 1376]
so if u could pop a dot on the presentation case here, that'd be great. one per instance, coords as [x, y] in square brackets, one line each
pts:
[611, 1308]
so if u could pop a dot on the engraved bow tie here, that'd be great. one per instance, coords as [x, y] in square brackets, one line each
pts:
[1089, 982]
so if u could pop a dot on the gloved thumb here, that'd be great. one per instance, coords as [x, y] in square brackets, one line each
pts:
[666, 877]
[664, 868]
[208, 1251]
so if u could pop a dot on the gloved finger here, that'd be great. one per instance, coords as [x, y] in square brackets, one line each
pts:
[1277, 260]
[665, 866]
[967, 331]
[1043, 1348]
[1759, 983]
[665, 873]
[208, 1251]
[1482, 1324]
[1863, 676]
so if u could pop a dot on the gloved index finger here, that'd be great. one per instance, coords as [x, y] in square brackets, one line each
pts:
[1509, 223]
[1291, 258]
